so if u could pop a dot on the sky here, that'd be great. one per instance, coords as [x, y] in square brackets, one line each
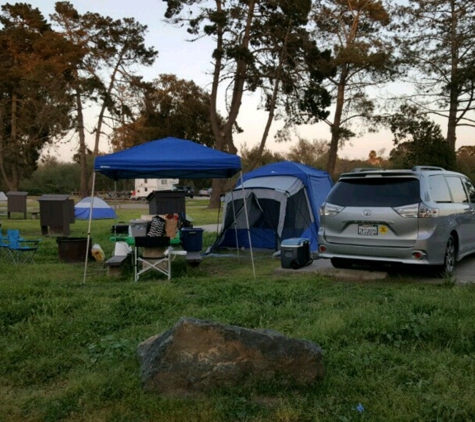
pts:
[191, 61]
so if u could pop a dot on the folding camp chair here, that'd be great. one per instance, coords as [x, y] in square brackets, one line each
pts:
[153, 253]
[21, 251]
[3, 243]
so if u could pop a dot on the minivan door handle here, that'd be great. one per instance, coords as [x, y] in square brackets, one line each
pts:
[468, 210]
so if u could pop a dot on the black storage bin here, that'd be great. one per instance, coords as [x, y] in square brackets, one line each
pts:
[192, 239]
[166, 202]
[120, 229]
[295, 253]
[73, 249]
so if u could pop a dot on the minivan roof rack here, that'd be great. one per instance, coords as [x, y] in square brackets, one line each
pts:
[426, 168]
[358, 169]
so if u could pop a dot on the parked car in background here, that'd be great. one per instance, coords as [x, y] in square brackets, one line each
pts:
[204, 192]
[189, 191]
[423, 216]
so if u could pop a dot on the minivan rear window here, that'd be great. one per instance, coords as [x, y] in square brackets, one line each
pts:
[375, 192]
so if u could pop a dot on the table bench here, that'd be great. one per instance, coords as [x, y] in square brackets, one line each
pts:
[116, 263]
[194, 258]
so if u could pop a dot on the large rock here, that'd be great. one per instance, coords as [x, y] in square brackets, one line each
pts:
[196, 356]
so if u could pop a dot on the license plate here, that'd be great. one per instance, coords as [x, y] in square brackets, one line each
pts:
[368, 229]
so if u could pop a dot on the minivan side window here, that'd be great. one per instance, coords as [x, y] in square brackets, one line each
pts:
[456, 187]
[470, 189]
[439, 191]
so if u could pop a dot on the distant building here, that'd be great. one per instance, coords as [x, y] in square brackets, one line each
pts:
[144, 187]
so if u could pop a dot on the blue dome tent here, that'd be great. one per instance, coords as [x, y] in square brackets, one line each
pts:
[100, 209]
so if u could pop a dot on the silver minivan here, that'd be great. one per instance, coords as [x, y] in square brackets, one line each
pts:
[424, 216]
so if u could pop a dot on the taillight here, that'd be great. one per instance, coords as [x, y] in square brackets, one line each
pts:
[330, 209]
[417, 211]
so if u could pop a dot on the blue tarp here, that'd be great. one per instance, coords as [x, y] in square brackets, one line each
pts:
[168, 158]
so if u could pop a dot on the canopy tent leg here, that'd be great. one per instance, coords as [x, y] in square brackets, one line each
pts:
[235, 222]
[89, 228]
[247, 224]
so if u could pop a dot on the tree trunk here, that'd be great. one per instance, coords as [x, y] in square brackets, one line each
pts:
[13, 183]
[223, 134]
[273, 102]
[82, 147]
[452, 123]
[100, 119]
[335, 127]
[3, 148]
[453, 86]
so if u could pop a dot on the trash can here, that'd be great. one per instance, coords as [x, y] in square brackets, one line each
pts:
[17, 203]
[73, 249]
[56, 214]
[192, 239]
[295, 253]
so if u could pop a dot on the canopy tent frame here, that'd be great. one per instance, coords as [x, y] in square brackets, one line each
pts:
[166, 158]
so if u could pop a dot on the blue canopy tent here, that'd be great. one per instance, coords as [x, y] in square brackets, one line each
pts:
[168, 158]
[165, 158]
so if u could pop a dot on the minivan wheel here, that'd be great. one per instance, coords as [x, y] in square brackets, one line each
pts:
[449, 258]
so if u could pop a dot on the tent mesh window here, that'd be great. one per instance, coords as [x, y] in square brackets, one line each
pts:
[297, 216]
[263, 216]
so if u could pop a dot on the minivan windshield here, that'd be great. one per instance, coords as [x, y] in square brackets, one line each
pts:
[375, 192]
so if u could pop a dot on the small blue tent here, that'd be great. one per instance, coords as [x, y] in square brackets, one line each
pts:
[100, 209]
[283, 201]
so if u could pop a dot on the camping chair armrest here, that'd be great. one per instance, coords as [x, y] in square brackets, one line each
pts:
[30, 241]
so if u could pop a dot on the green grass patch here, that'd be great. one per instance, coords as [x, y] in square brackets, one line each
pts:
[405, 352]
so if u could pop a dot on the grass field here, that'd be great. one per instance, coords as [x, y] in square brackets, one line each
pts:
[403, 351]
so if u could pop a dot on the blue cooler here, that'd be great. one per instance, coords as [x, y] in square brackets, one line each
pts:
[192, 239]
[295, 253]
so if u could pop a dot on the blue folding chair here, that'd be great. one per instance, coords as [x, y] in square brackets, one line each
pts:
[3, 242]
[21, 251]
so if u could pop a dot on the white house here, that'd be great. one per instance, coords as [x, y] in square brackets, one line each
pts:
[144, 187]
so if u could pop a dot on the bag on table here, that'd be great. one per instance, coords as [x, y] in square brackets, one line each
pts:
[157, 227]
[171, 225]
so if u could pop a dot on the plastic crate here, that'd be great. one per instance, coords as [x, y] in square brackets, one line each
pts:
[120, 229]
[138, 228]
[192, 239]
